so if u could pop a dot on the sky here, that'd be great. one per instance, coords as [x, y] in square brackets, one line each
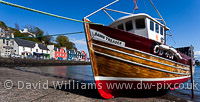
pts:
[181, 16]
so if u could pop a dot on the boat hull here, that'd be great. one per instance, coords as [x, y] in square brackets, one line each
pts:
[110, 87]
[121, 58]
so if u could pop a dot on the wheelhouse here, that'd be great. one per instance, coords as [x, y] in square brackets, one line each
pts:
[142, 25]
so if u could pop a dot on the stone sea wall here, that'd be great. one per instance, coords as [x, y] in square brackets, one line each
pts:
[17, 62]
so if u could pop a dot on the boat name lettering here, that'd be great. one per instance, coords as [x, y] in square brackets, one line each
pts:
[98, 35]
[162, 52]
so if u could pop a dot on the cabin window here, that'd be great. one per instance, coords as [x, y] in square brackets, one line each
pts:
[161, 30]
[120, 27]
[140, 23]
[129, 25]
[157, 28]
[152, 25]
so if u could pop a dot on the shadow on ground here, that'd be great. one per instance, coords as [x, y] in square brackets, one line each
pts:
[89, 90]
[81, 88]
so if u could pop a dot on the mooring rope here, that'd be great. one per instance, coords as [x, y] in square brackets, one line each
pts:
[42, 12]
[44, 35]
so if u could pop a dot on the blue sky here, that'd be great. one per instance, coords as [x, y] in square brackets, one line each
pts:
[182, 16]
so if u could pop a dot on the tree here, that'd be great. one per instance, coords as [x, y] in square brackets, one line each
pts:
[2, 24]
[17, 26]
[47, 39]
[197, 62]
[63, 41]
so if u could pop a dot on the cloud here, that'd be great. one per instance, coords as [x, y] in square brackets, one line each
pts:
[197, 53]
[79, 42]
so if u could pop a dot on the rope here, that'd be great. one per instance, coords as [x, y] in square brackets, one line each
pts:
[42, 12]
[44, 35]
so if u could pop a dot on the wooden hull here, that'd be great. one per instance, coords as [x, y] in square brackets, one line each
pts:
[121, 58]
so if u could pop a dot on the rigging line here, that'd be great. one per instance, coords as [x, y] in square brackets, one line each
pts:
[44, 35]
[45, 13]
[172, 38]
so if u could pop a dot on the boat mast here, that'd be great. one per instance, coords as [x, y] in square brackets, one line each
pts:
[161, 18]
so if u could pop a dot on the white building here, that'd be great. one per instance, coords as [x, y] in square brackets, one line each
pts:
[25, 31]
[6, 45]
[52, 50]
[27, 48]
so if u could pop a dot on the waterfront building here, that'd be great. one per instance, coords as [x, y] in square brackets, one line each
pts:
[52, 50]
[72, 55]
[6, 45]
[84, 56]
[31, 49]
[40, 51]
[81, 56]
[61, 54]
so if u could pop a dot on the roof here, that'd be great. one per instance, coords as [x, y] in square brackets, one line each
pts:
[41, 46]
[25, 43]
[31, 44]
[137, 15]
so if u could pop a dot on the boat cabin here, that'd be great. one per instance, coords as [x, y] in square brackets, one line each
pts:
[142, 25]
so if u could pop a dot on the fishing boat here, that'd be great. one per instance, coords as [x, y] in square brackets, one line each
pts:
[132, 51]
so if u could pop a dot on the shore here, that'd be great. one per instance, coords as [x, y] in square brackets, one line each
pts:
[21, 91]
[18, 62]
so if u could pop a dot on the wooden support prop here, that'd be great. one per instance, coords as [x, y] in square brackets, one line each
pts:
[192, 82]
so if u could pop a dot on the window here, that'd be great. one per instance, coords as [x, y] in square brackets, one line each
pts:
[36, 50]
[24, 48]
[129, 25]
[157, 28]
[152, 25]
[7, 42]
[4, 41]
[161, 30]
[140, 23]
[120, 27]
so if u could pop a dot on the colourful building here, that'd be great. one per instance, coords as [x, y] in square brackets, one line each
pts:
[72, 55]
[84, 56]
[61, 54]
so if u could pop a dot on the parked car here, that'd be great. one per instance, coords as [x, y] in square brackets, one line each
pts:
[15, 56]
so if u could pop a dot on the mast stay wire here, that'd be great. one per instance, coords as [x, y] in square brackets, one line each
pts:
[158, 2]
[45, 13]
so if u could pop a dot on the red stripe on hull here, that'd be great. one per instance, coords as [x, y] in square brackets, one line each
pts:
[108, 88]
